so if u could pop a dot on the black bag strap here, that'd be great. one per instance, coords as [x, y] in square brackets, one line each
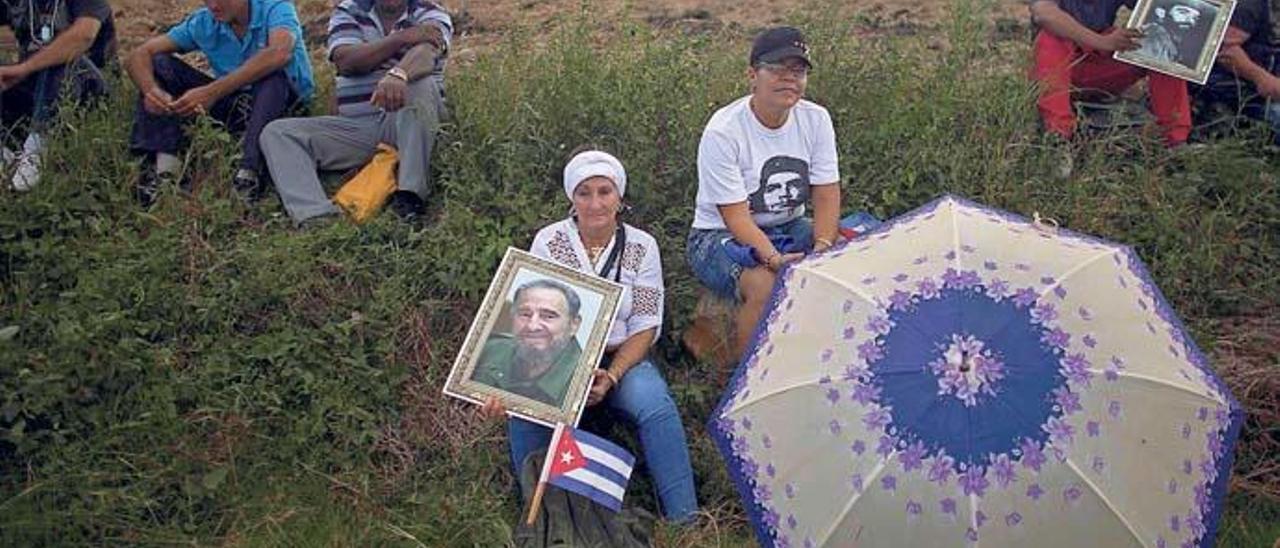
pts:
[619, 242]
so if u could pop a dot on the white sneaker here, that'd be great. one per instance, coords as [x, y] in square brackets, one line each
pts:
[27, 174]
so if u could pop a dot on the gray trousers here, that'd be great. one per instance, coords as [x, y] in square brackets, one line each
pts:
[296, 147]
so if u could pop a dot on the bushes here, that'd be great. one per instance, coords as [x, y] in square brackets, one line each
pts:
[203, 372]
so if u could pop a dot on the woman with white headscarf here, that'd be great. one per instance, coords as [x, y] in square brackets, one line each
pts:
[595, 241]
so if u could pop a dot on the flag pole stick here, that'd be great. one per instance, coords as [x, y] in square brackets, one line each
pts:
[536, 504]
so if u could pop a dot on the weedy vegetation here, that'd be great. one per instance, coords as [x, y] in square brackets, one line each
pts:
[205, 373]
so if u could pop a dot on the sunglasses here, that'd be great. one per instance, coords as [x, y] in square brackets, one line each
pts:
[799, 70]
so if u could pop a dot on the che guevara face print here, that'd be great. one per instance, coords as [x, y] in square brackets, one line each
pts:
[784, 185]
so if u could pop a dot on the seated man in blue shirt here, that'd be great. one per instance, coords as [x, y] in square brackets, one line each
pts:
[261, 71]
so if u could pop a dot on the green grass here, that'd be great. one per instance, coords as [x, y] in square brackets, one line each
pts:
[201, 373]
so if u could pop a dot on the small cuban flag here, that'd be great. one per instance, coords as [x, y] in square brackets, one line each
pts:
[588, 465]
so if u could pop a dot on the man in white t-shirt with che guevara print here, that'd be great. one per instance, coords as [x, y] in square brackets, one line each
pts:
[761, 160]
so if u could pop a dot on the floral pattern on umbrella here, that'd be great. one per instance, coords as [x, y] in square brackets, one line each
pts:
[963, 376]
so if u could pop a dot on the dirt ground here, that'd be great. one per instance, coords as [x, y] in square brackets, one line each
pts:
[480, 22]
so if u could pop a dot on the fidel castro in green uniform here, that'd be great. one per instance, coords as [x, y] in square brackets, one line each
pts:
[538, 357]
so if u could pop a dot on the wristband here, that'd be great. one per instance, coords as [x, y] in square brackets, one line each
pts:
[399, 74]
[611, 376]
[768, 261]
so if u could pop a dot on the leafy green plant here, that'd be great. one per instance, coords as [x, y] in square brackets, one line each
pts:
[203, 372]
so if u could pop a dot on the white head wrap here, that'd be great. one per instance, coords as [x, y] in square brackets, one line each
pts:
[594, 163]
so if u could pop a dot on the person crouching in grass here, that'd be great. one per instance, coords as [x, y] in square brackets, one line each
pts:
[1073, 47]
[761, 159]
[390, 90]
[63, 47]
[261, 71]
[1245, 77]
[595, 241]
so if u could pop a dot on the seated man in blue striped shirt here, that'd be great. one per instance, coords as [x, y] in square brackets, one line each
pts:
[390, 57]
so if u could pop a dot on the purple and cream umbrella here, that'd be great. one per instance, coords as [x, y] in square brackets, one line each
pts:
[962, 377]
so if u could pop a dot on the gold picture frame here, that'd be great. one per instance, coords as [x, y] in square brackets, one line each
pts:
[1180, 37]
[561, 327]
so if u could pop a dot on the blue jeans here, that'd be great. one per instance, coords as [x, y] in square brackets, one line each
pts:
[713, 267]
[643, 399]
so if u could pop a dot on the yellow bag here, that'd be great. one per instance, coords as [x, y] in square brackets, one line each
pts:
[369, 189]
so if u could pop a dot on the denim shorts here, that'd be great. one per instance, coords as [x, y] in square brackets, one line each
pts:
[704, 252]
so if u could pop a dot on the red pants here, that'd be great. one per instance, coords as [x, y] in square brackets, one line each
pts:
[1061, 64]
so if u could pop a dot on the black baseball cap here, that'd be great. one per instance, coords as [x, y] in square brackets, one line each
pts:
[779, 43]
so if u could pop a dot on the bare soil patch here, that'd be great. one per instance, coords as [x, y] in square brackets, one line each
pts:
[480, 22]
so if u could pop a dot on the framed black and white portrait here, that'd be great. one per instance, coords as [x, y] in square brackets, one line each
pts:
[1179, 37]
[537, 337]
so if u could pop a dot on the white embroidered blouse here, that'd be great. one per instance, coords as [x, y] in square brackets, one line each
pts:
[641, 276]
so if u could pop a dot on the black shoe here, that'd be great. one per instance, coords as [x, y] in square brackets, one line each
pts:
[406, 205]
[147, 189]
[249, 190]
